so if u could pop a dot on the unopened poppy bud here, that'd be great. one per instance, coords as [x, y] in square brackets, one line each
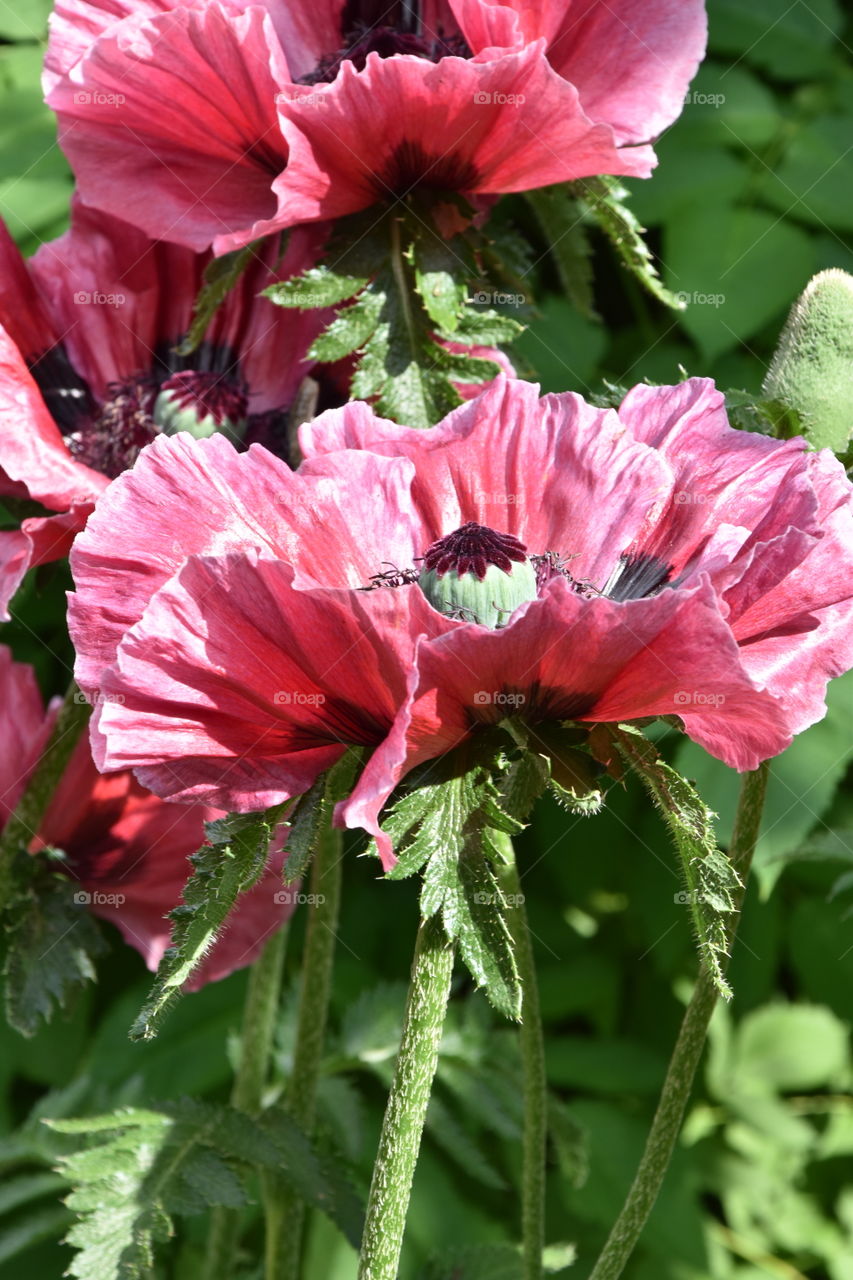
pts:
[812, 370]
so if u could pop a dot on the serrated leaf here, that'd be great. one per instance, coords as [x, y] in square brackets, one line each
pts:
[712, 886]
[230, 864]
[476, 1262]
[561, 219]
[316, 287]
[311, 815]
[444, 827]
[219, 278]
[441, 280]
[52, 944]
[604, 198]
[748, 412]
[484, 327]
[140, 1167]
[401, 364]
[444, 1128]
[349, 331]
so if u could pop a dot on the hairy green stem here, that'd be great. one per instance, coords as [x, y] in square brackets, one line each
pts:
[400, 1140]
[535, 1082]
[26, 819]
[685, 1057]
[285, 1211]
[247, 1093]
[256, 1040]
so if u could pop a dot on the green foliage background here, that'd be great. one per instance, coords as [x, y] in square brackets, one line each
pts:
[752, 195]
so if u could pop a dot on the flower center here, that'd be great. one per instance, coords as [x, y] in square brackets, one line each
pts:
[478, 575]
[372, 26]
[111, 440]
[201, 403]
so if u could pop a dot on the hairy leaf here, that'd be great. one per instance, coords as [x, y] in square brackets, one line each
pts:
[711, 883]
[445, 827]
[52, 943]
[316, 287]
[562, 221]
[137, 1168]
[220, 277]
[604, 198]
[226, 867]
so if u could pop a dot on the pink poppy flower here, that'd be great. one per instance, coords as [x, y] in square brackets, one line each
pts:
[126, 849]
[535, 556]
[240, 119]
[89, 374]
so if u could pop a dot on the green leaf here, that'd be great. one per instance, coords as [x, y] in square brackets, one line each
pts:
[447, 1131]
[476, 1262]
[122, 1185]
[401, 367]
[790, 1047]
[137, 1168]
[724, 261]
[52, 944]
[791, 42]
[219, 278]
[802, 783]
[562, 221]
[445, 828]
[226, 867]
[311, 814]
[31, 1229]
[316, 287]
[440, 279]
[350, 330]
[711, 883]
[486, 327]
[769, 417]
[604, 199]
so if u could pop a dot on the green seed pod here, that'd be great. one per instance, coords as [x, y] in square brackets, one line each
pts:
[489, 600]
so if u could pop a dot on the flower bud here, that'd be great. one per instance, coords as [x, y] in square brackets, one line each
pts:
[812, 370]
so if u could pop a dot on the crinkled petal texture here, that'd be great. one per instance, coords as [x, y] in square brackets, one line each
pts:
[693, 571]
[630, 62]
[181, 105]
[127, 849]
[404, 123]
[122, 301]
[35, 464]
[184, 96]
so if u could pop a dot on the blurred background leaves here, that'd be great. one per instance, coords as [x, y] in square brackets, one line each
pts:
[752, 195]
